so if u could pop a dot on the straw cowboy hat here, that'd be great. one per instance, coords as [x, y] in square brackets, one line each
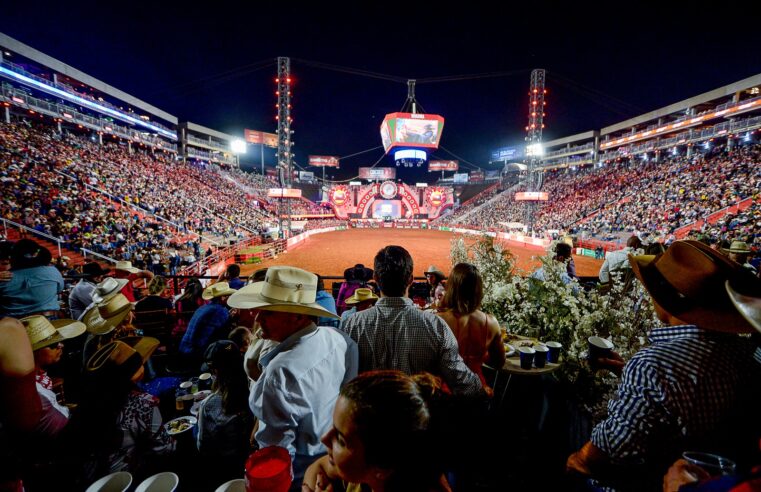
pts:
[687, 281]
[748, 306]
[217, 290]
[108, 288]
[126, 266]
[44, 333]
[435, 271]
[739, 247]
[121, 358]
[360, 295]
[105, 316]
[285, 289]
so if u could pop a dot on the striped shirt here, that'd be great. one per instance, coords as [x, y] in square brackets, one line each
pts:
[395, 334]
[682, 392]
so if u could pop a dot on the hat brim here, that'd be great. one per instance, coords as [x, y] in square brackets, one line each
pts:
[208, 295]
[353, 300]
[717, 315]
[121, 282]
[145, 346]
[252, 299]
[749, 307]
[97, 325]
[65, 329]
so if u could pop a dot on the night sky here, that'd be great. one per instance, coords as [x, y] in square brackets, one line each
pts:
[205, 64]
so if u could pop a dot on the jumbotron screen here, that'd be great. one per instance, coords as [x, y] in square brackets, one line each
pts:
[408, 130]
[387, 208]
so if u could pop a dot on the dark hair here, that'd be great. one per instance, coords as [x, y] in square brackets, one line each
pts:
[231, 381]
[233, 271]
[393, 270]
[320, 283]
[259, 276]
[634, 242]
[27, 254]
[5, 250]
[240, 334]
[389, 408]
[563, 250]
[193, 291]
[465, 289]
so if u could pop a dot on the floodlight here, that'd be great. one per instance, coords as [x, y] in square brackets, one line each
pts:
[238, 146]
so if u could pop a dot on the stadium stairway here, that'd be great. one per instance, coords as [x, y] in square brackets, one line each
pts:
[75, 258]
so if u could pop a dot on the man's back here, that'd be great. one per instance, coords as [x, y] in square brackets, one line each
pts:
[395, 334]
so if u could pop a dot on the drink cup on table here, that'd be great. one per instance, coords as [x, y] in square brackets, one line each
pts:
[553, 355]
[540, 355]
[526, 355]
[204, 381]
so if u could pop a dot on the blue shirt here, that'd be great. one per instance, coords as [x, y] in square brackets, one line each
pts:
[236, 283]
[31, 290]
[208, 324]
[680, 393]
[326, 300]
[295, 395]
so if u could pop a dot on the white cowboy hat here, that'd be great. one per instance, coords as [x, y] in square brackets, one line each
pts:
[125, 266]
[108, 288]
[360, 295]
[105, 316]
[44, 333]
[217, 290]
[285, 289]
[435, 270]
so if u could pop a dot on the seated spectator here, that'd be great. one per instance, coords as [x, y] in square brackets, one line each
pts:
[154, 301]
[355, 278]
[47, 339]
[108, 320]
[35, 285]
[185, 306]
[325, 299]
[562, 254]
[119, 428]
[224, 419]
[478, 335]
[209, 324]
[80, 296]
[694, 387]
[232, 277]
[739, 251]
[241, 336]
[383, 436]
[436, 281]
[618, 261]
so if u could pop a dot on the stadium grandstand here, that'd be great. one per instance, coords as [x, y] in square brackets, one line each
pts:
[141, 228]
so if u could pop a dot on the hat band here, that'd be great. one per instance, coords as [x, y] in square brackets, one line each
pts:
[274, 293]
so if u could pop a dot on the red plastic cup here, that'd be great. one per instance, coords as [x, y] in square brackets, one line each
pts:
[269, 470]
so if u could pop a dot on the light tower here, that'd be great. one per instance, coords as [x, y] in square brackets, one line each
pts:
[534, 149]
[284, 142]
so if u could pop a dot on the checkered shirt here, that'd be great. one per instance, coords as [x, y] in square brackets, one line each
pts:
[395, 334]
[683, 387]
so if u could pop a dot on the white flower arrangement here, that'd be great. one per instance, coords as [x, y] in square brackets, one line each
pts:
[552, 310]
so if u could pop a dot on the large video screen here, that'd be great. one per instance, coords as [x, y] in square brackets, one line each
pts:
[407, 130]
[387, 208]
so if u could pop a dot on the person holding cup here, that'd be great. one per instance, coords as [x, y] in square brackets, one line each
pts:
[695, 386]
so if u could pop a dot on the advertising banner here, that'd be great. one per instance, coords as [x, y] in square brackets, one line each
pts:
[443, 166]
[476, 175]
[261, 138]
[379, 173]
[323, 161]
[306, 175]
[460, 178]
[507, 154]
[531, 196]
[284, 193]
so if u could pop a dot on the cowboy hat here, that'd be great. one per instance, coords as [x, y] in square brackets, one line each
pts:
[285, 289]
[217, 290]
[43, 332]
[433, 269]
[125, 266]
[122, 357]
[108, 288]
[105, 316]
[739, 247]
[687, 281]
[360, 295]
[92, 269]
[748, 306]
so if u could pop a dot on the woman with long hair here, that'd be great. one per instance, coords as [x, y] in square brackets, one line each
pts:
[385, 436]
[478, 335]
[186, 306]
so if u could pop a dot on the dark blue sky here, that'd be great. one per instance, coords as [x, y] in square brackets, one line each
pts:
[605, 63]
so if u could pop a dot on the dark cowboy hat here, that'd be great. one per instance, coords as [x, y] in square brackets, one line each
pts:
[687, 281]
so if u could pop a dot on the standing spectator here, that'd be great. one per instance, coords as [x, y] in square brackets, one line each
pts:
[35, 285]
[125, 270]
[80, 296]
[478, 335]
[618, 261]
[295, 394]
[362, 299]
[395, 334]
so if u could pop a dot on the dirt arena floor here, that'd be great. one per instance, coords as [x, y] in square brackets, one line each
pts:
[329, 254]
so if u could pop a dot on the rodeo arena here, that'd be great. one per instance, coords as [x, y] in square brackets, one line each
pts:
[584, 315]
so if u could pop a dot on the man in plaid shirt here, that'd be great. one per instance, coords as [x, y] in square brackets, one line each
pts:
[694, 388]
[395, 334]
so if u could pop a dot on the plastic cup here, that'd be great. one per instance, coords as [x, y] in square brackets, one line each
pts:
[269, 469]
[599, 348]
[553, 355]
[540, 355]
[526, 355]
[714, 464]
[204, 381]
